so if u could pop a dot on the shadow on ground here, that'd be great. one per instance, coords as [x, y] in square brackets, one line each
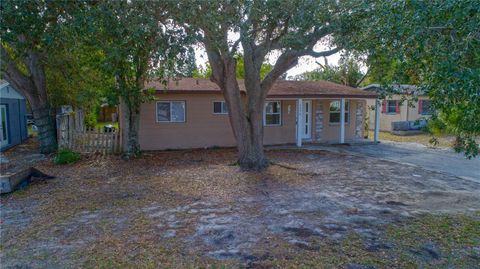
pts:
[186, 208]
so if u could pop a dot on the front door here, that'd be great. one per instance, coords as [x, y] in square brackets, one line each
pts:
[3, 126]
[307, 117]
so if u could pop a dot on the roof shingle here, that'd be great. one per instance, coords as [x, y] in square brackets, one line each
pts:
[281, 89]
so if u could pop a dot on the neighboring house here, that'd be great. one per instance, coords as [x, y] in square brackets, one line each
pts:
[399, 108]
[191, 113]
[13, 119]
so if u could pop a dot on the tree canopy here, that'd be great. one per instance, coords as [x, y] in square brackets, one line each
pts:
[435, 44]
[347, 72]
[206, 72]
[291, 28]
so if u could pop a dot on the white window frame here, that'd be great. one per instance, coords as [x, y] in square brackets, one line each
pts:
[223, 108]
[347, 112]
[172, 101]
[278, 113]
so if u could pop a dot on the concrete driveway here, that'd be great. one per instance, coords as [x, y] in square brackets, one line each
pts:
[442, 160]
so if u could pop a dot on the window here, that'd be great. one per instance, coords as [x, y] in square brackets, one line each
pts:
[426, 107]
[335, 111]
[272, 115]
[391, 106]
[171, 111]
[220, 108]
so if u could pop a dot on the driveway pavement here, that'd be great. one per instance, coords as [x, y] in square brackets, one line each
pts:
[442, 160]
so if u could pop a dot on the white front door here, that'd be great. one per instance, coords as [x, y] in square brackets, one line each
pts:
[307, 120]
[3, 126]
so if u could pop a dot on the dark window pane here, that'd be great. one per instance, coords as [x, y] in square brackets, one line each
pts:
[276, 107]
[163, 111]
[217, 107]
[427, 107]
[334, 117]
[391, 106]
[272, 119]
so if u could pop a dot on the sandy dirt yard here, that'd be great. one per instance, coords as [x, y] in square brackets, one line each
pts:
[196, 208]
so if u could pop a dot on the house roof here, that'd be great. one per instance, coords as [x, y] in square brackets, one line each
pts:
[281, 89]
[397, 88]
[8, 92]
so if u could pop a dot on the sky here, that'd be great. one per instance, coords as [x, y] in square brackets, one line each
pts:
[306, 63]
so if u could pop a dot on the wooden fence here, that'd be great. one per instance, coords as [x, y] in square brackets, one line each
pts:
[72, 134]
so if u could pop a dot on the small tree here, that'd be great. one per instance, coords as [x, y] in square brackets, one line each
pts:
[139, 44]
[291, 28]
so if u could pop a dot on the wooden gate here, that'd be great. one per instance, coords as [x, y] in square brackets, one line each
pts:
[72, 134]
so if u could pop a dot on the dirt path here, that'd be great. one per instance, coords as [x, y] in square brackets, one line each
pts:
[186, 208]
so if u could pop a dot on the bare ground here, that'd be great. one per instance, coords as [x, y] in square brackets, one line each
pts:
[195, 208]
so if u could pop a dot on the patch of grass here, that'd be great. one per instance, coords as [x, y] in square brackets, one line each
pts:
[102, 124]
[424, 139]
[66, 156]
[456, 236]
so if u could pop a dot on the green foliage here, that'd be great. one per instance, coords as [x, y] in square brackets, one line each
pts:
[54, 30]
[91, 120]
[138, 44]
[347, 72]
[437, 45]
[206, 72]
[66, 156]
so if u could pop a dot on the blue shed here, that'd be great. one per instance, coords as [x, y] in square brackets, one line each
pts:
[13, 116]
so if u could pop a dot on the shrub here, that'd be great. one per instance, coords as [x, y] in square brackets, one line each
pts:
[90, 120]
[65, 156]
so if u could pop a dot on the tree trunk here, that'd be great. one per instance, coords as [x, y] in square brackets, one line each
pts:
[131, 119]
[45, 122]
[34, 87]
[251, 155]
[246, 120]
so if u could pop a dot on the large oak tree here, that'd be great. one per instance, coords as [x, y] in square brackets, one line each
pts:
[31, 33]
[291, 29]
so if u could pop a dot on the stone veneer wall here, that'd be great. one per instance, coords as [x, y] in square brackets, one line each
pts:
[359, 117]
[318, 121]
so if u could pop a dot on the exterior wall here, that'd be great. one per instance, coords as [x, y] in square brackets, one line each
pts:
[286, 132]
[202, 128]
[16, 120]
[330, 132]
[407, 113]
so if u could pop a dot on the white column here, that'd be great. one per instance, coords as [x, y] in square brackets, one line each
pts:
[342, 120]
[377, 120]
[299, 121]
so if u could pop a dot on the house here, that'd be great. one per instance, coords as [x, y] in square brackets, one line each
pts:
[400, 109]
[191, 113]
[13, 119]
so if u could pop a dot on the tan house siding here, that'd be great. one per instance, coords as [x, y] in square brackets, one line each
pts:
[407, 113]
[331, 131]
[285, 133]
[202, 128]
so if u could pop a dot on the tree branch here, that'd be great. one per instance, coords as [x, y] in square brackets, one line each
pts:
[286, 61]
[315, 54]
[14, 76]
